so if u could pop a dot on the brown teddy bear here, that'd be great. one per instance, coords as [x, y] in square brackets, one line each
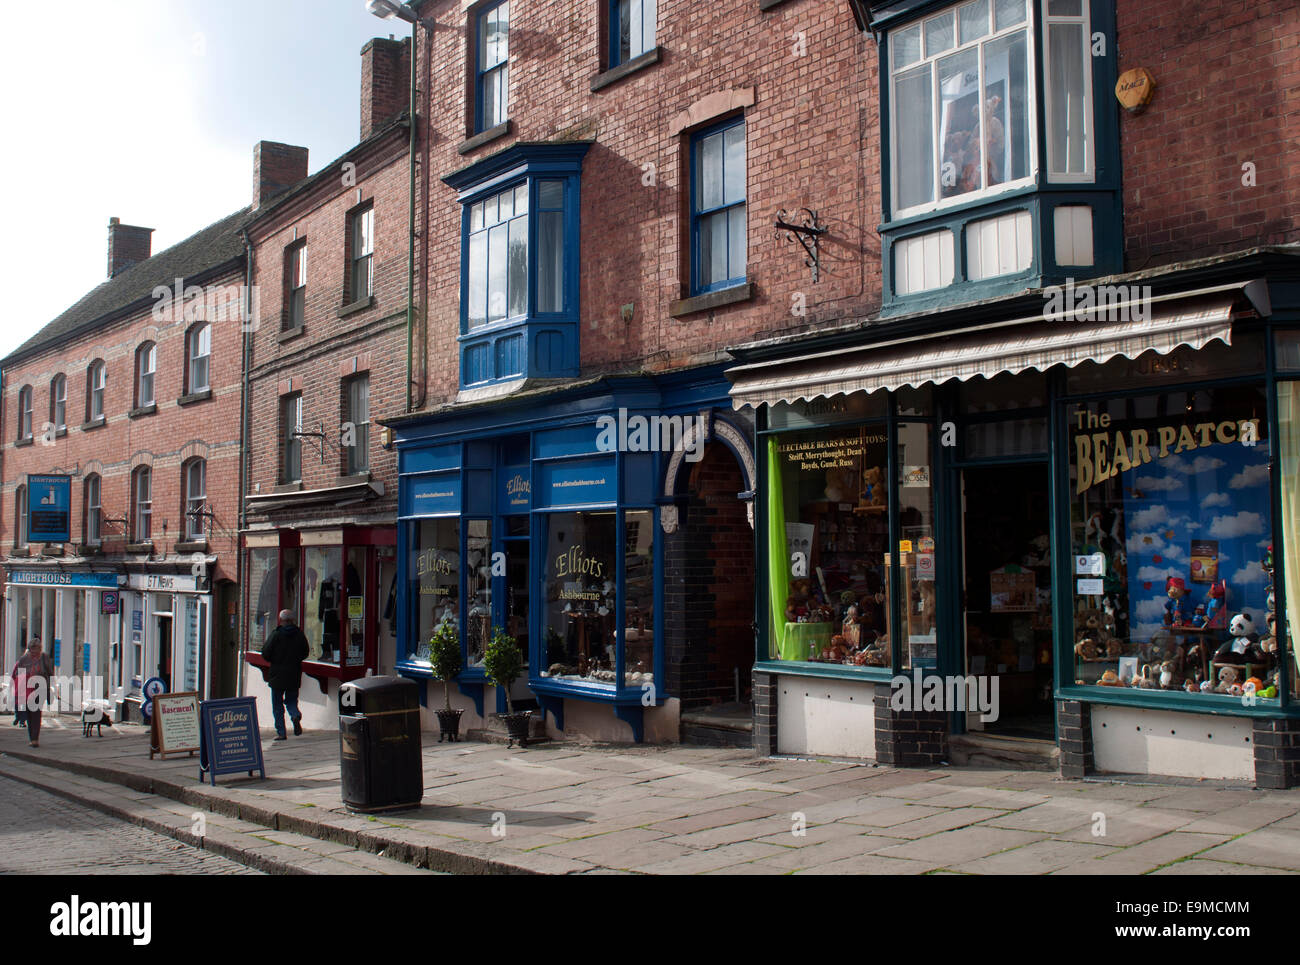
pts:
[873, 489]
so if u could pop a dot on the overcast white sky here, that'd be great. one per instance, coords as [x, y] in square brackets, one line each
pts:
[148, 110]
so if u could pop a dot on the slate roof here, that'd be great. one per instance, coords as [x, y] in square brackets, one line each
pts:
[212, 247]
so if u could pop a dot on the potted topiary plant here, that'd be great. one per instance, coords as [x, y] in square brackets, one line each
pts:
[503, 663]
[444, 656]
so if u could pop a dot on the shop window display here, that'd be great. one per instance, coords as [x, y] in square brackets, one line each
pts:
[639, 591]
[478, 588]
[323, 595]
[435, 565]
[1172, 543]
[828, 532]
[916, 555]
[263, 605]
[580, 598]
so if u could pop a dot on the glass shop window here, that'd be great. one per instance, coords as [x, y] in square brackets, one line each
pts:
[435, 569]
[263, 603]
[828, 532]
[324, 599]
[579, 595]
[1172, 543]
[1288, 426]
[916, 547]
[639, 594]
[478, 589]
[355, 612]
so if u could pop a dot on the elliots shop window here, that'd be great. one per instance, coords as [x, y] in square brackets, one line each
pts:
[1172, 539]
[829, 547]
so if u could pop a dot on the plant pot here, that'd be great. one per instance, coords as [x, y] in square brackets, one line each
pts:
[449, 725]
[517, 726]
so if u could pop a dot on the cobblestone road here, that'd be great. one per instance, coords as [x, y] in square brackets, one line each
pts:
[44, 834]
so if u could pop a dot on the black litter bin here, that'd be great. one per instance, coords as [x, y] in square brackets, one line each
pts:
[379, 744]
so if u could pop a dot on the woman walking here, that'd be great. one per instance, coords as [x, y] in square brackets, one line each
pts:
[31, 676]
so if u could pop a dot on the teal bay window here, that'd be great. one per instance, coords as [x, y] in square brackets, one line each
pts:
[1001, 171]
[519, 264]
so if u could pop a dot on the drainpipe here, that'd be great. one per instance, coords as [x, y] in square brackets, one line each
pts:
[410, 241]
[249, 324]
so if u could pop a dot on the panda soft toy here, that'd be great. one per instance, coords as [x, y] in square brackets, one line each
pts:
[1242, 645]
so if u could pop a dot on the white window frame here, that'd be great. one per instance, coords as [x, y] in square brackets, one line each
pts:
[363, 249]
[1031, 108]
[358, 454]
[1089, 174]
[25, 412]
[196, 498]
[20, 517]
[142, 497]
[59, 398]
[94, 511]
[98, 383]
[297, 286]
[146, 368]
[200, 351]
[288, 427]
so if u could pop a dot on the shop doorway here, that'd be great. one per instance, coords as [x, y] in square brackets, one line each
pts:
[165, 650]
[1007, 594]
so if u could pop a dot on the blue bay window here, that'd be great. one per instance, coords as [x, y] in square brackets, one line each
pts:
[1001, 166]
[492, 66]
[519, 264]
[631, 29]
[719, 246]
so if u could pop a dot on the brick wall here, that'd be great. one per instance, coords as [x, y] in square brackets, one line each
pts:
[1227, 92]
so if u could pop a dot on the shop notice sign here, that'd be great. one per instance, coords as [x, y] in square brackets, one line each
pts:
[230, 741]
[175, 724]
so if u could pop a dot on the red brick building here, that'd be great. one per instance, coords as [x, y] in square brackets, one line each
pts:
[327, 360]
[121, 470]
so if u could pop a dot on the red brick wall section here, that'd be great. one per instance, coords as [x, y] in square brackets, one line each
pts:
[165, 439]
[331, 348]
[1227, 93]
[811, 143]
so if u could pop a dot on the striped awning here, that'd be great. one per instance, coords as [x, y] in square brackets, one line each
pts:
[1160, 324]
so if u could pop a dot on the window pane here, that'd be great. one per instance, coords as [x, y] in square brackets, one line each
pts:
[649, 15]
[713, 248]
[734, 168]
[476, 216]
[323, 595]
[1066, 141]
[550, 194]
[624, 31]
[973, 21]
[478, 588]
[550, 262]
[1065, 8]
[1008, 12]
[829, 602]
[490, 211]
[521, 199]
[506, 205]
[1006, 109]
[476, 310]
[913, 134]
[434, 569]
[959, 130]
[579, 569]
[518, 268]
[494, 97]
[736, 242]
[938, 34]
[639, 594]
[498, 240]
[709, 178]
[906, 46]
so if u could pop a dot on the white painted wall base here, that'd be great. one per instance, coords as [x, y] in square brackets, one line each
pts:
[589, 720]
[833, 718]
[1127, 740]
[319, 711]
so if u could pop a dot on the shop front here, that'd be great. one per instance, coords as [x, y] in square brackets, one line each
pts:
[340, 584]
[76, 615]
[552, 520]
[1054, 535]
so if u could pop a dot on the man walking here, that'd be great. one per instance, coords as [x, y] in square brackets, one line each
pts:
[285, 651]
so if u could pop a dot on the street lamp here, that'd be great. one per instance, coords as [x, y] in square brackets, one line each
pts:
[387, 10]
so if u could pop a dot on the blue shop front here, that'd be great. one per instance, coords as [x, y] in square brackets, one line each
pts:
[554, 516]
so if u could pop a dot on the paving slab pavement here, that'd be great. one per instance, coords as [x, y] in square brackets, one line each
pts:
[568, 808]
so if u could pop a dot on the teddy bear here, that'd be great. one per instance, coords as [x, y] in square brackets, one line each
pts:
[1175, 590]
[1086, 649]
[1243, 644]
[927, 606]
[873, 489]
[1170, 678]
[1228, 678]
[994, 139]
[1268, 642]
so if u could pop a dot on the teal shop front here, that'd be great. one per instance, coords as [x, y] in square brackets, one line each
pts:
[1044, 543]
[547, 517]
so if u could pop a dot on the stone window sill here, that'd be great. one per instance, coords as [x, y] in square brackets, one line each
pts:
[145, 547]
[615, 74]
[289, 487]
[192, 546]
[24, 442]
[194, 397]
[711, 300]
[355, 307]
[289, 334]
[491, 134]
[143, 410]
[764, 5]
[93, 424]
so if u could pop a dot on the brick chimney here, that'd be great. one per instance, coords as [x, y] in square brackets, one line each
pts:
[385, 82]
[127, 246]
[276, 167]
